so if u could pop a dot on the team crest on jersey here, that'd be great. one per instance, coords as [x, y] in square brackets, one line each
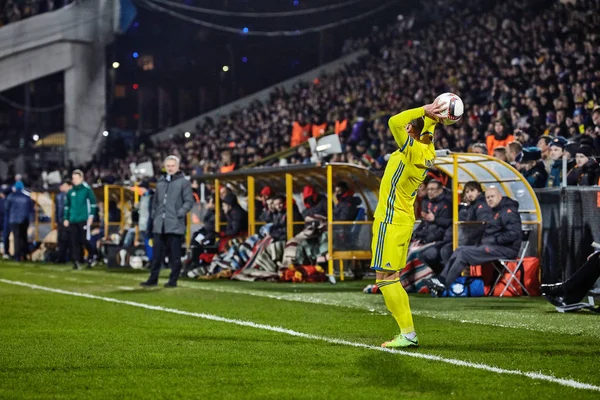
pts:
[429, 163]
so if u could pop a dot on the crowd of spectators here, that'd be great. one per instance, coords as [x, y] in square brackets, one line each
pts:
[17, 10]
[528, 72]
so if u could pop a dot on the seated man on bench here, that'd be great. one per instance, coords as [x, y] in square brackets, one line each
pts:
[501, 240]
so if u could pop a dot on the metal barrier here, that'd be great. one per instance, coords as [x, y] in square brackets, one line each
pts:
[571, 222]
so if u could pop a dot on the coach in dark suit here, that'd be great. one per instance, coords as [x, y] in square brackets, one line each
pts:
[172, 200]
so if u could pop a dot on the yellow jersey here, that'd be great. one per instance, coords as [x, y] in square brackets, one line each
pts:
[405, 171]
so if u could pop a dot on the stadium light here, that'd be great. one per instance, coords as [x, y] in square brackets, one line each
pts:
[187, 135]
[116, 65]
[135, 54]
[135, 86]
[244, 59]
[245, 29]
[225, 68]
[36, 138]
[105, 133]
[296, 2]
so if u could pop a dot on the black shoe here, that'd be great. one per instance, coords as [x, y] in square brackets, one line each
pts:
[556, 289]
[170, 285]
[434, 284]
[148, 284]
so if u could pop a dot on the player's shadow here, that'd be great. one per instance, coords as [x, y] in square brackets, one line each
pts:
[403, 373]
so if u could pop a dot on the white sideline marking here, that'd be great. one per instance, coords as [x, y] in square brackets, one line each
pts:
[304, 298]
[533, 375]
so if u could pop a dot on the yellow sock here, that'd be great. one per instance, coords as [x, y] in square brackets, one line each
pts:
[396, 300]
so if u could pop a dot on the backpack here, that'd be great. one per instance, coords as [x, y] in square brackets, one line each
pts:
[465, 286]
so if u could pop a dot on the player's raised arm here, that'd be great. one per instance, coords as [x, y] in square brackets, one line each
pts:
[403, 124]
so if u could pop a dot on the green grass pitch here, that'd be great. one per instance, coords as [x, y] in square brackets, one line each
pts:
[62, 346]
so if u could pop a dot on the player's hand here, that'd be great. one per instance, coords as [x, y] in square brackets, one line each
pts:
[66, 223]
[435, 110]
[90, 219]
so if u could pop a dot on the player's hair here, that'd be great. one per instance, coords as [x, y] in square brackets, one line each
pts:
[418, 124]
[472, 185]
[342, 185]
[78, 172]
[501, 149]
[516, 147]
[172, 157]
[438, 183]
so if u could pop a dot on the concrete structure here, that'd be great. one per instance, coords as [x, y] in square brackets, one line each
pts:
[263, 95]
[71, 39]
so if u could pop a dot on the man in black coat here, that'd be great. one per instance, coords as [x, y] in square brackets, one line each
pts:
[17, 209]
[315, 205]
[236, 216]
[532, 167]
[278, 218]
[171, 202]
[475, 210]
[436, 216]
[501, 240]
[347, 206]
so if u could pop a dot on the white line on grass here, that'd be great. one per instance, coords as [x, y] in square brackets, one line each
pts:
[533, 375]
[346, 303]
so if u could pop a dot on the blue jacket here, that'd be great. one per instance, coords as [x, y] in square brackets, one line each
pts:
[17, 208]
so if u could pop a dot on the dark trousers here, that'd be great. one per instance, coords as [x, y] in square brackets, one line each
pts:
[19, 232]
[432, 257]
[79, 241]
[64, 244]
[578, 286]
[465, 256]
[163, 245]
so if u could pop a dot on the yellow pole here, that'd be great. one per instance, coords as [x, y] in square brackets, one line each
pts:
[251, 208]
[217, 207]
[106, 197]
[330, 218]
[136, 201]
[122, 207]
[289, 203]
[455, 202]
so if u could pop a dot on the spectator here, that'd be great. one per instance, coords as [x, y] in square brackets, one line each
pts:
[236, 216]
[80, 208]
[514, 153]
[586, 172]
[2, 200]
[64, 234]
[500, 137]
[543, 144]
[315, 205]
[17, 208]
[500, 153]
[479, 148]
[557, 150]
[5, 225]
[501, 239]
[532, 167]
[436, 216]
[171, 202]
[278, 218]
[474, 209]
[347, 205]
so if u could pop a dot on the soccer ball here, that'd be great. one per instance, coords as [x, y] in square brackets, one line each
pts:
[455, 108]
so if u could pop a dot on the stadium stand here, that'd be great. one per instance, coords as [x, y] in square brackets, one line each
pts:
[523, 70]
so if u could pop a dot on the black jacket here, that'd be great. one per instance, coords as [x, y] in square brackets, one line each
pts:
[477, 210]
[585, 176]
[315, 207]
[279, 220]
[171, 202]
[504, 228]
[429, 232]
[536, 176]
[237, 217]
[346, 208]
